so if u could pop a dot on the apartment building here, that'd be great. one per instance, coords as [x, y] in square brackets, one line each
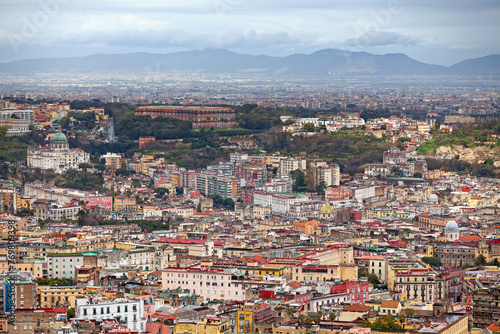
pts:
[129, 311]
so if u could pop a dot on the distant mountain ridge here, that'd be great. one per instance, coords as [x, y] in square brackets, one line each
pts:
[325, 62]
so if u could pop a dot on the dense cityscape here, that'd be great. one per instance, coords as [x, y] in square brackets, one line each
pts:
[248, 167]
[141, 239]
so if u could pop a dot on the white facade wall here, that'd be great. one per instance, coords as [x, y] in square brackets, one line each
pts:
[131, 311]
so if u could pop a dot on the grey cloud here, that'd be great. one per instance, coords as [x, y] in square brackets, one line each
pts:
[181, 38]
[381, 38]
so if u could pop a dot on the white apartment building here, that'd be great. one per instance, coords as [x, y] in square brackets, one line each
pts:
[63, 265]
[288, 165]
[127, 310]
[279, 203]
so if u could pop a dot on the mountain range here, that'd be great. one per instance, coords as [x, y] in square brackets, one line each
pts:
[327, 62]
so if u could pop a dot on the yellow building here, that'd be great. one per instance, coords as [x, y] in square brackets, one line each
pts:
[476, 201]
[120, 202]
[169, 186]
[212, 325]
[55, 296]
[260, 271]
[27, 202]
[245, 321]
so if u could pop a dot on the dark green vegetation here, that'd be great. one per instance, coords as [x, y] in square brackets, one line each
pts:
[13, 149]
[251, 116]
[349, 150]
[433, 261]
[80, 180]
[386, 322]
[56, 282]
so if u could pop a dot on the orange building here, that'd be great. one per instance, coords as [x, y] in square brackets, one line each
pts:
[200, 117]
[307, 227]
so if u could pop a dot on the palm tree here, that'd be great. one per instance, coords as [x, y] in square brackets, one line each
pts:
[302, 318]
[317, 317]
[409, 314]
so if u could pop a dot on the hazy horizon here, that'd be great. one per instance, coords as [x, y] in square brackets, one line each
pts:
[428, 31]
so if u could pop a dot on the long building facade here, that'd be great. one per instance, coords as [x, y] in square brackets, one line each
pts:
[200, 117]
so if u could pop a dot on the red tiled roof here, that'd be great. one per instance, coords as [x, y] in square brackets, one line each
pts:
[471, 237]
[357, 308]
[294, 285]
[259, 259]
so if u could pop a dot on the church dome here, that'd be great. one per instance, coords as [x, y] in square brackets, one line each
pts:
[433, 198]
[451, 227]
[59, 137]
[326, 209]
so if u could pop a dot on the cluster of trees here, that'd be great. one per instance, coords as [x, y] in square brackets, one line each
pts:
[371, 114]
[226, 203]
[80, 180]
[131, 127]
[316, 319]
[56, 281]
[433, 261]
[251, 116]
[386, 322]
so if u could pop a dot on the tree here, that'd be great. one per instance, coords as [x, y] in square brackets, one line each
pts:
[302, 318]
[409, 313]
[308, 127]
[82, 214]
[317, 318]
[372, 278]
[401, 320]
[161, 191]
[298, 179]
[100, 167]
[309, 322]
[289, 311]
[433, 261]
[84, 166]
[332, 316]
[3, 131]
[480, 260]
[418, 175]
[70, 313]
[320, 188]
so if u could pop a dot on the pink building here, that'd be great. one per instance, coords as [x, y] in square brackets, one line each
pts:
[356, 291]
[99, 201]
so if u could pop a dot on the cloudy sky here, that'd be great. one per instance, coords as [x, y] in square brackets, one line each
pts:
[434, 31]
